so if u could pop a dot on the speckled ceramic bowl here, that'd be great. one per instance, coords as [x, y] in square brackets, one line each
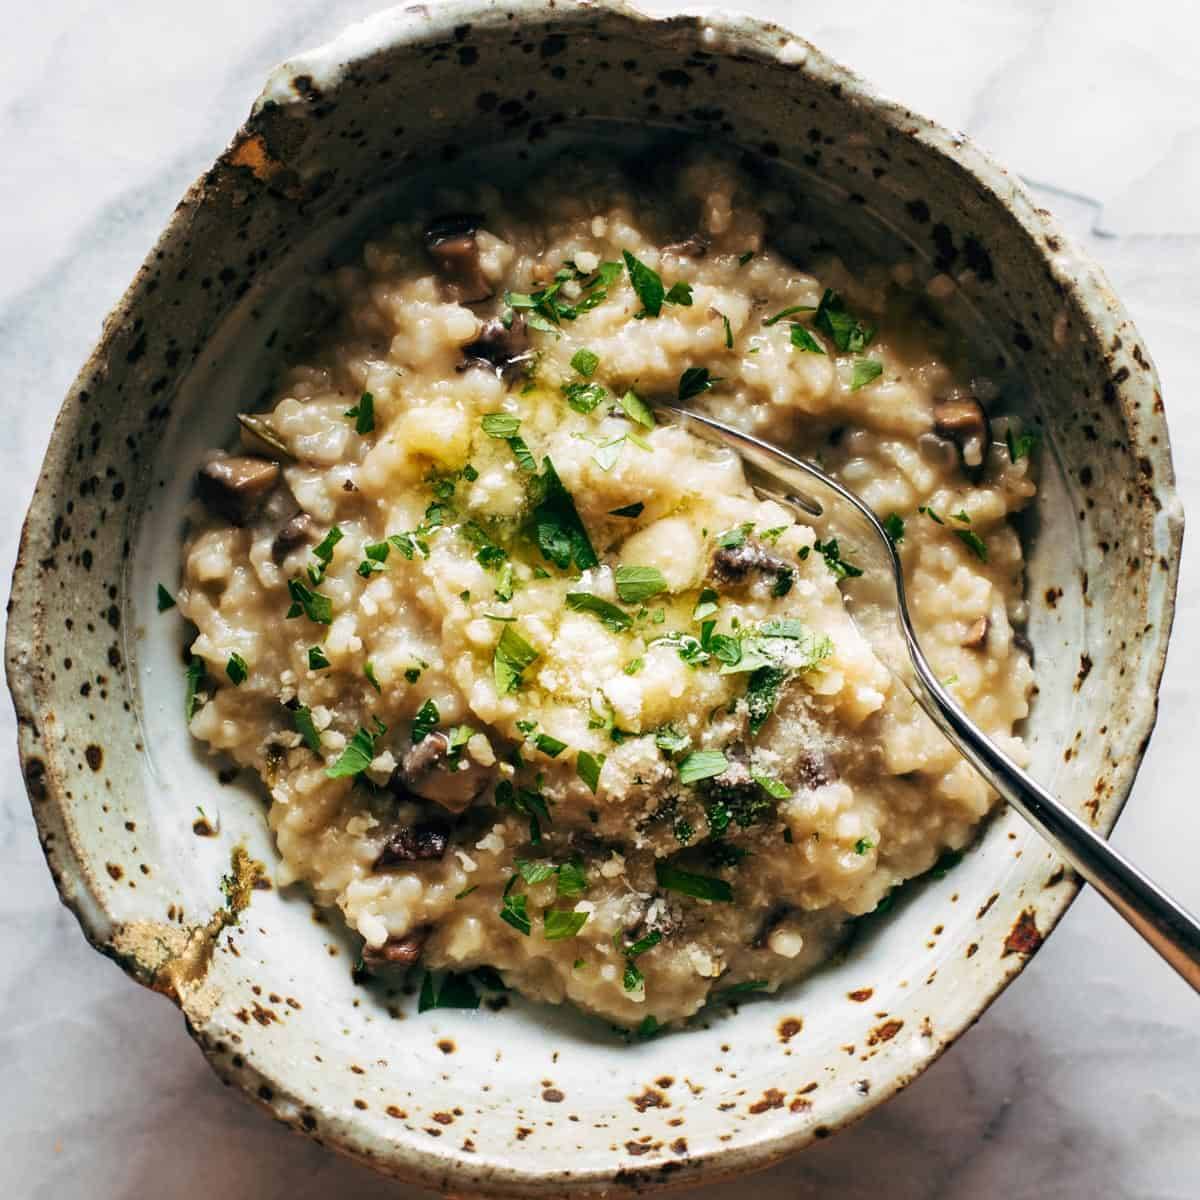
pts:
[527, 1102]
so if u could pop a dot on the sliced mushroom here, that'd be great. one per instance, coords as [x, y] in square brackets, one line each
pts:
[453, 246]
[977, 634]
[397, 951]
[503, 347]
[733, 566]
[414, 843]
[259, 437]
[237, 487]
[297, 532]
[428, 771]
[964, 422]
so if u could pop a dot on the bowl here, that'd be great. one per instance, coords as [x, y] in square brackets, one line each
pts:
[160, 860]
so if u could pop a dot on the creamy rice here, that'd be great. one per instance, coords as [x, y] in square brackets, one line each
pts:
[595, 715]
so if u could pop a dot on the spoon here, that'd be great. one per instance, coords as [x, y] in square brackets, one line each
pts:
[877, 605]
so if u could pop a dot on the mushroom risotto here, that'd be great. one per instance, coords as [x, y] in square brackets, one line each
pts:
[536, 682]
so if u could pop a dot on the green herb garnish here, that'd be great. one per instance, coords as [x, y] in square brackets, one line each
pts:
[647, 284]
[636, 409]
[236, 669]
[588, 767]
[585, 362]
[775, 788]
[629, 510]
[1021, 445]
[893, 526]
[830, 552]
[195, 677]
[456, 992]
[549, 746]
[313, 605]
[363, 413]
[866, 370]
[302, 721]
[358, 754]
[512, 655]
[702, 764]
[557, 528]
[604, 611]
[513, 911]
[803, 340]
[500, 425]
[558, 923]
[425, 722]
[850, 335]
[165, 599]
[702, 887]
[694, 381]
[788, 312]
[973, 542]
[635, 584]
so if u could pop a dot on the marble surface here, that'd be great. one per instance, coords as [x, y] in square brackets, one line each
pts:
[1083, 1080]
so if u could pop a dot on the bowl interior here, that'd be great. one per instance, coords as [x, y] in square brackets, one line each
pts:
[526, 1099]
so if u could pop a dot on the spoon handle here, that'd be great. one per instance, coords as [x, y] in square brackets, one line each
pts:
[1166, 925]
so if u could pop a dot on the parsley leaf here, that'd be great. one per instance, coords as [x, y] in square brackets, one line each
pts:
[604, 611]
[549, 746]
[893, 526]
[745, 257]
[973, 542]
[1020, 446]
[558, 924]
[728, 330]
[513, 654]
[647, 284]
[635, 584]
[694, 381]
[762, 694]
[303, 722]
[636, 409]
[588, 767]
[236, 669]
[931, 514]
[863, 845]
[702, 764]
[680, 293]
[363, 413]
[833, 560]
[670, 741]
[772, 786]
[323, 553]
[312, 604]
[585, 397]
[803, 340]
[706, 604]
[702, 887]
[528, 803]
[734, 539]
[358, 754]
[787, 312]
[425, 722]
[585, 362]
[456, 992]
[513, 911]
[369, 672]
[165, 599]
[866, 370]
[850, 335]
[500, 425]
[632, 979]
[558, 531]
[195, 677]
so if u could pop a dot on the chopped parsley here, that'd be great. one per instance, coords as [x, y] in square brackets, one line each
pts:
[1020, 445]
[369, 672]
[686, 883]
[632, 980]
[670, 741]
[316, 659]
[512, 655]
[585, 397]
[962, 516]
[604, 611]
[195, 677]
[313, 605]
[588, 767]
[772, 786]
[694, 381]
[633, 666]
[645, 942]
[863, 845]
[803, 340]
[762, 694]
[236, 669]
[165, 599]
[558, 923]
[973, 542]
[632, 511]
[787, 312]
[930, 514]
[680, 293]
[635, 584]
[456, 992]
[702, 764]
[831, 553]
[850, 335]
[866, 370]
[358, 754]
[706, 604]
[728, 330]
[893, 526]
[557, 528]
[647, 284]
[585, 362]
[412, 674]
[745, 257]
[302, 721]
[572, 879]
[549, 746]
[363, 413]
[500, 425]
[521, 453]
[636, 409]
[513, 911]
[425, 722]
[529, 803]
[323, 553]
[734, 539]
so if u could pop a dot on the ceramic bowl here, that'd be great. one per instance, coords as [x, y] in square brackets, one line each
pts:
[534, 1102]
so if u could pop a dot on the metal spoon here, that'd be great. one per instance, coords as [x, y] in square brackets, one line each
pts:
[880, 612]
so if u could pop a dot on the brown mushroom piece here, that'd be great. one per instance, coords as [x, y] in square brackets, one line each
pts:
[237, 487]
[691, 247]
[963, 422]
[297, 532]
[501, 346]
[733, 566]
[421, 842]
[428, 771]
[454, 248]
[977, 634]
[400, 951]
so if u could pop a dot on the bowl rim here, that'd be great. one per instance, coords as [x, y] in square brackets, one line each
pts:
[735, 33]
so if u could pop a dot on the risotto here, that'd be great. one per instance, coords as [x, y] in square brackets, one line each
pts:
[536, 683]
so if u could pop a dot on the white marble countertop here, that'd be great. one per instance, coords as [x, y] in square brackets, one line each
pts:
[1083, 1080]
